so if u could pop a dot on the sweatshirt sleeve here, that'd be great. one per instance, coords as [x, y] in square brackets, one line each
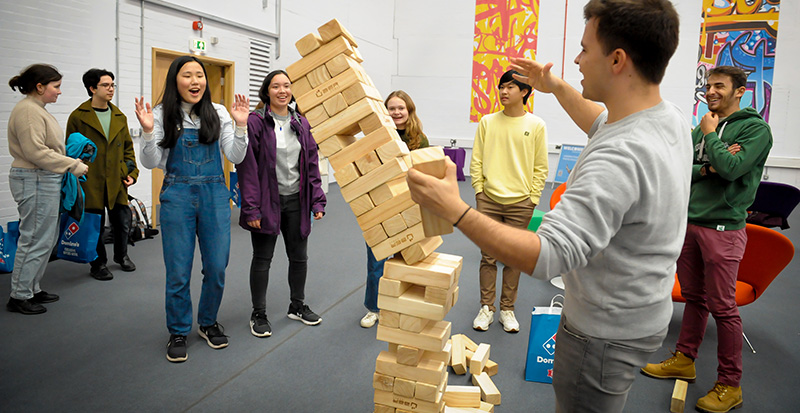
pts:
[540, 164]
[151, 155]
[247, 171]
[476, 163]
[233, 141]
[31, 129]
[754, 139]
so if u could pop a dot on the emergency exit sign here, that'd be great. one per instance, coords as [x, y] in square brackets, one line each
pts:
[198, 46]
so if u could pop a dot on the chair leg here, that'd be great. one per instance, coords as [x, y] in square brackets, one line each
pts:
[748, 342]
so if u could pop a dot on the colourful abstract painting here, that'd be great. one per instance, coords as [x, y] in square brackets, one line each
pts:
[740, 33]
[503, 29]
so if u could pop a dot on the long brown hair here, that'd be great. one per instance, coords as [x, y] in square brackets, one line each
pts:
[413, 125]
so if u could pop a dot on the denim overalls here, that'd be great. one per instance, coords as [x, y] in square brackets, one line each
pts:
[194, 201]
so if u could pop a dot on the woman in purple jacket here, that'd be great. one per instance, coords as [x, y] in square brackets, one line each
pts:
[280, 189]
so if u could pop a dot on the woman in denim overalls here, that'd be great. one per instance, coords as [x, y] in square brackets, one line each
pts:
[183, 136]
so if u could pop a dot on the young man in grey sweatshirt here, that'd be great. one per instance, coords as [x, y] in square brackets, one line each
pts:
[616, 234]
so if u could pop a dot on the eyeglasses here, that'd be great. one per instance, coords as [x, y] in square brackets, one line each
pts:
[108, 85]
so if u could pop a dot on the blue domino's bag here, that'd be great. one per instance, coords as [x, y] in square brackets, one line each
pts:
[8, 246]
[542, 341]
[77, 240]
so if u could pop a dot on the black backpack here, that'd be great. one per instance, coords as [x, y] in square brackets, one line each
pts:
[140, 227]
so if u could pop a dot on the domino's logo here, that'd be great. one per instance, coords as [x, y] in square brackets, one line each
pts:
[550, 345]
[71, 230]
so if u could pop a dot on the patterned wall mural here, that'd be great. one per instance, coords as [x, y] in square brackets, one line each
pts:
[503, 28]
[740, 33]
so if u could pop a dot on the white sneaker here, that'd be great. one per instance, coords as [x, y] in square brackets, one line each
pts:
[509, 321]
[484, 318]
[369, 320]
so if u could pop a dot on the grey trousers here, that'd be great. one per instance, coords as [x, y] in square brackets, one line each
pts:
[595, 375]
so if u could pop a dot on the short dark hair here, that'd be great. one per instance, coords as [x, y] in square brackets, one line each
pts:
[737, 75]
[32, 75]
[647, 30]
[509, 77]
[92, 77]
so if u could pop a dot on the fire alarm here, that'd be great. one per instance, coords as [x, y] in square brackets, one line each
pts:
[197, 25]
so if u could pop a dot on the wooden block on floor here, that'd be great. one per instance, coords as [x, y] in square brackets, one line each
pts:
[415, 405]
[341, 63]
[318, 57]
[388, 191]
[394, 225]
[412, 324]
[486, 407]
[491, 368]
[333, 29]
[359, 91]
[324, 91]
[375, 235]
[404, 387]
[375, 121]
[334, 105]
[478, 361]
[462, 396]
[373, 179]
[469, 344]
[300, 87]
[468, 355]
[392, 288]
[382, 382]
[489, 392]
[412, 215]
[346, 175]
[361, 205]
[368, 144]
[422, 273]
[308, 44]
[385, 210]
[368, 163]
[412, 302]
[431, 160]
[678, 401]
[427, 371]
[318, 76]
[420, 250]
[316, 115]
[335, 144]
[432, 338]
[380, 408]
[390, 319]
[395, 148]
[410, 356]
[458, 358]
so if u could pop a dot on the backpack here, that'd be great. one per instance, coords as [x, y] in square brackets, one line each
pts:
[140, 227]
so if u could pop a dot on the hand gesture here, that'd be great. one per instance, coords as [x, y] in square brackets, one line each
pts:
[240, 110]
[438, 195]
[535, 74]
[145, 115]
[318, 215]
[128, 181]
[709, 123]
[255, 224]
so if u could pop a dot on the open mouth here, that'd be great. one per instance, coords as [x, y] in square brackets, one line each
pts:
[194, 92]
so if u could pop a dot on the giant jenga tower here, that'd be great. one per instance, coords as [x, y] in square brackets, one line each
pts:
[419, 286]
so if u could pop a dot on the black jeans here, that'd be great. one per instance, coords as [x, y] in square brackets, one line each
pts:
[120, 219]
[296, 251]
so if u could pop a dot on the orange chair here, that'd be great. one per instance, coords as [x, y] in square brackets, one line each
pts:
[557, 195]
[766, 254]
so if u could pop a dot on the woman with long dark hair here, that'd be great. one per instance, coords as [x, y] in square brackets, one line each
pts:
[281, 190]
[186, 135]
[36, 142]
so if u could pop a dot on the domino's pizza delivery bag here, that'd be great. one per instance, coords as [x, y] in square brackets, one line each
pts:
[77, 240]
[542, 341]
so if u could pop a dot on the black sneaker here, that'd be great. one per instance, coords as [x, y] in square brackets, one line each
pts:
[101, 273]
[126, 264]
[176, 348]
[213, 335]
[24, 306]
[259, 325]
[304, 314]
[42, 297]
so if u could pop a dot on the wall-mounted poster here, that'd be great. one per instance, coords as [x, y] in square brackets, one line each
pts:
[740, 33]
[566, 161]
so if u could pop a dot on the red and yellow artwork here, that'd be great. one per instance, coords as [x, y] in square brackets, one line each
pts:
[503, 29]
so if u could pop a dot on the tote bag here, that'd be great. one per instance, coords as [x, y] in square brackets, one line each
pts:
[542, 341]
[77, 240]
[8, 246]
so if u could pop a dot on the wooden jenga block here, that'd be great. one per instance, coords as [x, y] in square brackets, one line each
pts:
[426, 392]
[443, 355]
[431, 160]
[324, 166]
[376, 120]
[318, 76]
[394, 225]
[448, 409]
[308, 44]
[412, 302]
[388, 191]
[342, 122]
[407, 160]
[316, 115]
[468, 354]
[486, 407]
[427, 371]
[404, 387]
[373, 179]
[412, 216]
[363, 146]
[395, 148]
[335, 104]
[341, 63]
[412, 324]
[454, 300]
[368, 163]
[390, 319]
[439, 295]
[382, 382]
[422, 273]
[392, 288]
[335, 144]
[462, 396]
[478, 361]
[375, 235]
[410, 356]
[300, 87]
[324, 91]
[359, 91]
[433, 337]
[458, 359]
[489, 392]
[384, 211]
[399, 242]
[469, 344]
[346, 175]
[415, 405]
[420, 250]
[361, 205]
[491, 368]
[678, 401]
[333, 29]
[318, 57]
[357, 56]
[380, 408]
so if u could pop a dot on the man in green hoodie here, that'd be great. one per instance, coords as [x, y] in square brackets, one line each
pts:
[730, 148]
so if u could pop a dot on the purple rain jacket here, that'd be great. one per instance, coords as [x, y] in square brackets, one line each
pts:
[258, 182]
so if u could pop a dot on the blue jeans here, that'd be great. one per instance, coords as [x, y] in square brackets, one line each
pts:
[38, 196]
[374, 274]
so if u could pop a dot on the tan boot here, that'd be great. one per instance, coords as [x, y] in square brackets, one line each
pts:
[720, 399]
[676, 367]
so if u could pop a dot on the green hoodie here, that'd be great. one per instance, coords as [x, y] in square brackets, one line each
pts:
[720, 200]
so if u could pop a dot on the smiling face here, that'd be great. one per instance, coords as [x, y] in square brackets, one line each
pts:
[48, 93]
[399, 112]
[721, 97]
[593, 63]
[280, 93]
[191, 82]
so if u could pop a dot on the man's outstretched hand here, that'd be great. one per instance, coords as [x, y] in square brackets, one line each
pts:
[440, 196]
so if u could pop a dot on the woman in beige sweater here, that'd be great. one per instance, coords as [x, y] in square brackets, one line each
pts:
[36, 142]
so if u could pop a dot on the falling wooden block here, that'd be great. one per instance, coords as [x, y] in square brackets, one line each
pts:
[433, 337]
[458, 359]
[478, 361]
[412, 302]
[400, 242]
[412, 216]
[388, 191]
[366, 145]
[380, 408]
[318, 57]
[412, 324]
[368, 163]
[431, 160]
[374, 179]
[462, 396]
[392, 288]
[375, 235]
[427, 371]
[394, 225]
[489, 392]
[333, 29]
[324, 91]
[491, 368]
[404, 387]
[347, 175]
[415, 405]
[319, 76]
[382, 382]
[300, 87]
[316, 115]
[678, 401]
[341, 63]
[420, 250]
[410, 356]
[335, 144]
[393, 149]
[390, 319]
[343, 122]
[359, 91]
[361, 205]
[308, 44]
[335, 104]
[377, 120]
[422, 273]
[385, 210]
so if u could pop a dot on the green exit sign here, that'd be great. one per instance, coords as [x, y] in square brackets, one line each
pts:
[198, 45]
